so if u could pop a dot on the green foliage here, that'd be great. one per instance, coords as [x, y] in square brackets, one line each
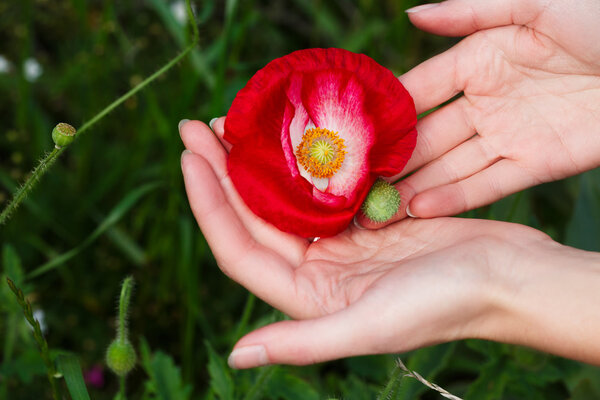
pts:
[97, 216]
[220, 379]
[284, 385]
[165, 382]
[69, 367]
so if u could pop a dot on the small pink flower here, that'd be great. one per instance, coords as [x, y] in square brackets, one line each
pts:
[94, 376]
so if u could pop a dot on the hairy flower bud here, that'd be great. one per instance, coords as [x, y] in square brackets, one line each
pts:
[120, 357]
[63, 134]
[382, 202]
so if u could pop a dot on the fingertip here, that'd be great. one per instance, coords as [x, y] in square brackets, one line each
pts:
[181, 124]
[409, 212]
[184, 153]
[211, 122]
[188, 129]
[441, 201]
[357, 223]
[248, 357]
[191, 164]
[218, 125]
[421, 8]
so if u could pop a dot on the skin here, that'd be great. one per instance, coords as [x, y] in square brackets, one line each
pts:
[529, 73]
[530, 113]
[408, 285]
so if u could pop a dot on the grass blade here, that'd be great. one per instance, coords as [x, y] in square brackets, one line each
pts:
[68, 365]
[113, 217]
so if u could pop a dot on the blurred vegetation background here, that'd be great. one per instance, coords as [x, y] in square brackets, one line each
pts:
[115, 205]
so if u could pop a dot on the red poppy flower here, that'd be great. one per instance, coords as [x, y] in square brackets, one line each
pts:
[310, 134]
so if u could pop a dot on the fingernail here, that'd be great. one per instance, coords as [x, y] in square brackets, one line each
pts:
[182, 123]
[185, 153]
[357, 224]
[212, 121]
[248, 356]
[409, 213]
[421, 8]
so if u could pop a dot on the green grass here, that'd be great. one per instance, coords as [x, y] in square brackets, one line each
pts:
[114, 204]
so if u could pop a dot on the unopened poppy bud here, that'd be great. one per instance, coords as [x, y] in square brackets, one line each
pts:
[382, 202]
[120, 357]
[63, 134]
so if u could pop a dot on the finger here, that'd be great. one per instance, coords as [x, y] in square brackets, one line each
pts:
[493, 183]
[439, 132]
[341, 334]
[440, 78]
[459, 163]
[467, 159]
[198, 138]
[218, 127]
[463, 17]
[433, 81]
[260, 270]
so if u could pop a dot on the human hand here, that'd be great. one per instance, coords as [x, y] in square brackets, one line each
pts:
[530, 111]
[411, 284]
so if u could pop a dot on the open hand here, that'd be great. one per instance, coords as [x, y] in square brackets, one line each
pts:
[530, 110]
[408, 285]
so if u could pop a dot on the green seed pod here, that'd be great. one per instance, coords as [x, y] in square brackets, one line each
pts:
[382, 202]
[63, 134]
[120, 357]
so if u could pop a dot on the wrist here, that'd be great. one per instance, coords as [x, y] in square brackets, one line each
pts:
[547, 298]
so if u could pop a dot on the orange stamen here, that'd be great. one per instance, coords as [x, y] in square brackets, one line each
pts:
[321, 152]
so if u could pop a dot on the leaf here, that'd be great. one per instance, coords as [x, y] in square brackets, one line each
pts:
[588, 373]
[220, 379]
[375, 368]
[68, 365]
[113, 217]
[584, 391]
[262, 379]
[354, 388]
[25, 366]
[167, 378]
[491, 381]
[283, 385]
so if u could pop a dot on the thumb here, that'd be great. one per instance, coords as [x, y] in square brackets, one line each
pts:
[333, 336]
[463, 17]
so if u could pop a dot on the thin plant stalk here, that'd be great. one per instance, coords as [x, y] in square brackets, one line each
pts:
[46, 162]
[122, 395]
[412, 374]
[39, 338]
[124, 299]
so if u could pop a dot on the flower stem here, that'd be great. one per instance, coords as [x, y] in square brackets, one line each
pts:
[38, 336]
[51, 157]
[35, 176]
[123, 308]
[122, 388]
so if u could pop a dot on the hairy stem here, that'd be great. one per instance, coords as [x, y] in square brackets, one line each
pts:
[44, 164]
[126, 290]
[35, 176]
